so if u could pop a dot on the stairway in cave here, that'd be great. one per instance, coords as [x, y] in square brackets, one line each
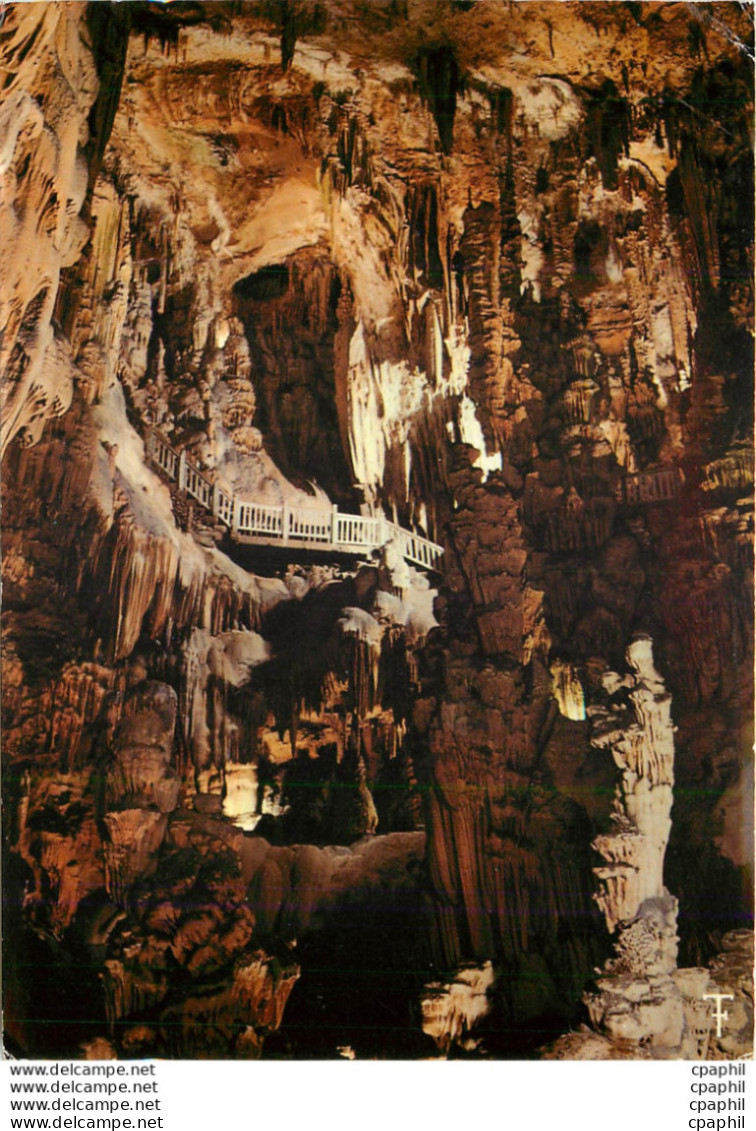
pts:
[286, 527]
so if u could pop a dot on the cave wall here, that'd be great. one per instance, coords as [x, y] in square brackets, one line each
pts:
[483, 270]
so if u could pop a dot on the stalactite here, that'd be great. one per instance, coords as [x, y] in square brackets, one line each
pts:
[424, 247]
[140, 789]
[440, 82]
[511, 331]
[734, 471]
[451, 1012]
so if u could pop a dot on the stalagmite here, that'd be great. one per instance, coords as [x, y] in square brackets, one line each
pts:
[140, 789]
[450, 1012]
[641, 743]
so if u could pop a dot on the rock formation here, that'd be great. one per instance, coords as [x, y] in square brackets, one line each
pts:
[475, 273]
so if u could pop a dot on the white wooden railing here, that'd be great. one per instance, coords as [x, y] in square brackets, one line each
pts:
[655, 485]
[260, 524]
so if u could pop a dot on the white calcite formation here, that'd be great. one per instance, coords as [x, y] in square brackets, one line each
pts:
[141, 789]
[643, 1004]
[452, 1010]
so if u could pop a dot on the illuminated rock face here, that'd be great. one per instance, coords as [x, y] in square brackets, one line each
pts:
[641, 743]
[141, 789]
[44, 133]
[638, 1001]
[376, 257]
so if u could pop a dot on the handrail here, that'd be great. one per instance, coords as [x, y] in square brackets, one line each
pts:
[262, 523]
[654, 485]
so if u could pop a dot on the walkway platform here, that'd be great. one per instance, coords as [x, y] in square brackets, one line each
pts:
[258, 524]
